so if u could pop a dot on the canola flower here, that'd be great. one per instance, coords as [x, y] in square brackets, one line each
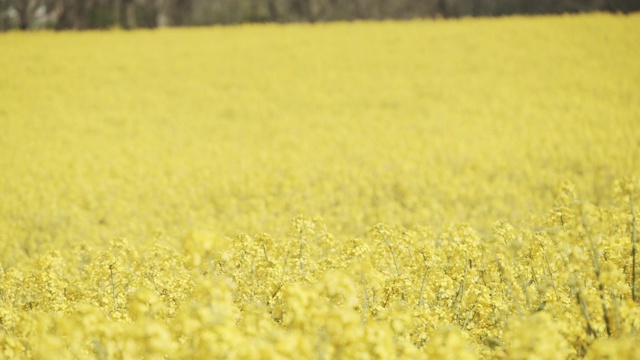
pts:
[426, 189]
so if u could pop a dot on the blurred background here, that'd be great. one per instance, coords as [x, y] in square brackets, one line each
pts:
[130, 14]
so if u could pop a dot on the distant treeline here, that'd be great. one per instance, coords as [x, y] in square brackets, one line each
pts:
[129, 14]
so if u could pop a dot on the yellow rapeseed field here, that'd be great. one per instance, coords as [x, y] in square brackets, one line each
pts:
[461, 189]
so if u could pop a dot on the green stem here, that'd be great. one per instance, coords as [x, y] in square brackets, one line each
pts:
[395, 261]
[634, 242]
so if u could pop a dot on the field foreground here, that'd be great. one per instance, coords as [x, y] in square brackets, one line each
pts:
[425, 189]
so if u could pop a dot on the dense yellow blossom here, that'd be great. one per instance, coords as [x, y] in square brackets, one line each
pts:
[461, 189]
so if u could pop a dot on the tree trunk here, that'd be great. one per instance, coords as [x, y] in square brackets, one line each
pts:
[162, 13]
[3, 22]
[254, 11]
[83, 10]
[273, 10]
[26, 10]
[300, 9]
[117, 11]
[442, 8]
[130, 15]
[24, 20]
[181, 11]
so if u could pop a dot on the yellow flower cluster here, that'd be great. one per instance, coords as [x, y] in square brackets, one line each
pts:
[398, 292]
[418, 190]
